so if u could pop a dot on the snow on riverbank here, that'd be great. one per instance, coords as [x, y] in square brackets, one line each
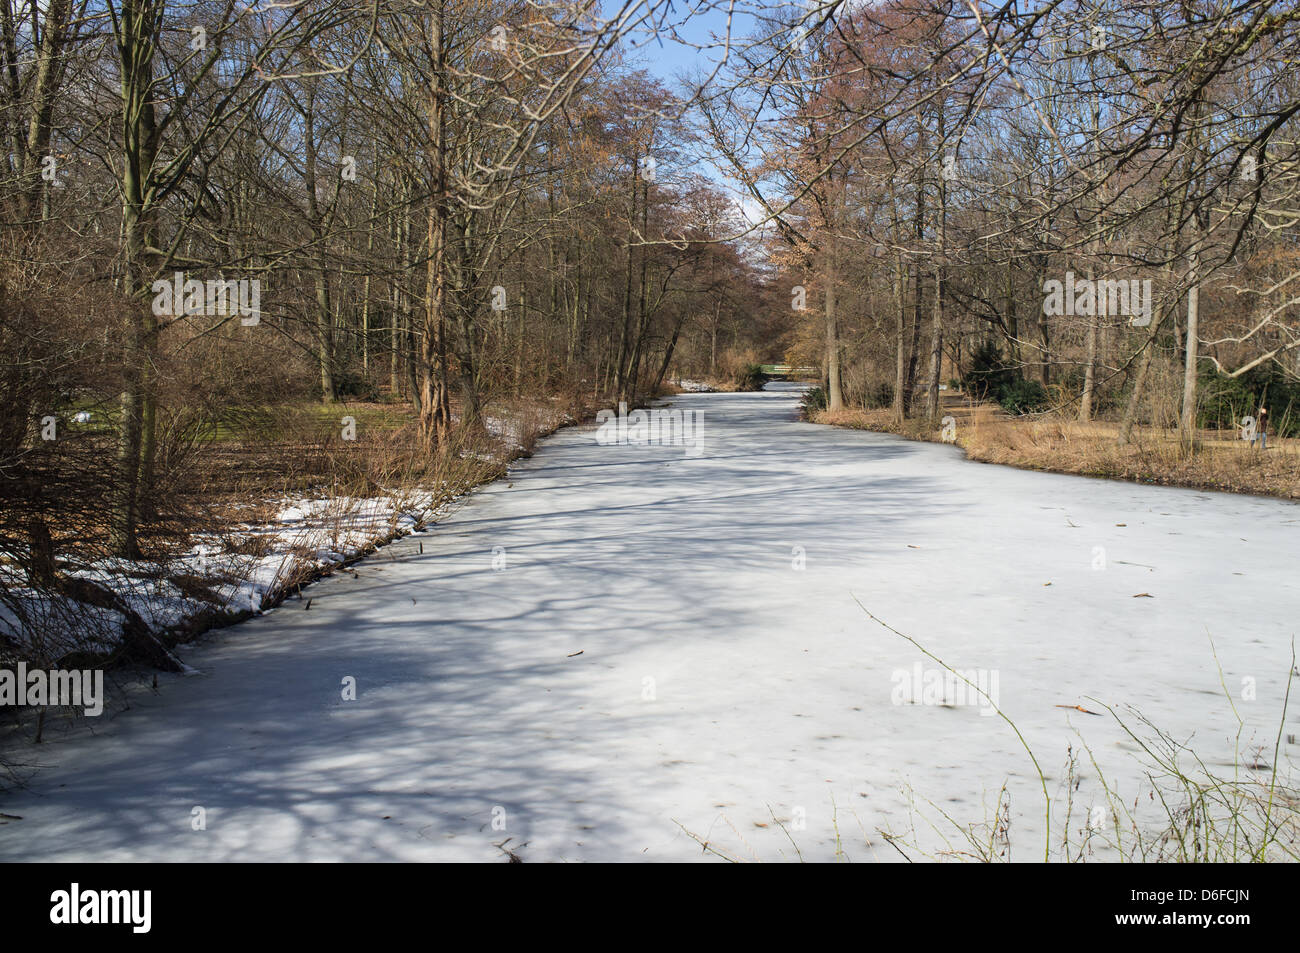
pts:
[241, 570]
[235, 573]
[309, 536]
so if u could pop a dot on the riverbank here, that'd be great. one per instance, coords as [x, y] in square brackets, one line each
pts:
[262, 517]
[1055, 444]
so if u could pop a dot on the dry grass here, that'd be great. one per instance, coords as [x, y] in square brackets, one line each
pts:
[1056, 443]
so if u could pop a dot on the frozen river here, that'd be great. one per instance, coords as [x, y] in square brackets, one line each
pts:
[620, 644]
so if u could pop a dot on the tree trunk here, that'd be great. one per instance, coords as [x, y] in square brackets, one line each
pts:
[936, 352]
[137, 41]
[914, 341]
[1090, 362]
[834, 389]
[624, 342]
[1187, 422]
[1089, 371]
[325, 337]
[43, 97]
[1013, 324]
[936, 330]
[435, 410]
[900, 367]
[1139, 384]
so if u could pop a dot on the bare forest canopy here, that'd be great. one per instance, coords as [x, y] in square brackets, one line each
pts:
[218, 213]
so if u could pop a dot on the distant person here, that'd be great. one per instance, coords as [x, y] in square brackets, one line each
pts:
[1261, 429]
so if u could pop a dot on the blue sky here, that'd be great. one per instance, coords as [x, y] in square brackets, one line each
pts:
[667, 58]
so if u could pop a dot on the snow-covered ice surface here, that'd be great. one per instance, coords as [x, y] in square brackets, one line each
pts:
[718, 685]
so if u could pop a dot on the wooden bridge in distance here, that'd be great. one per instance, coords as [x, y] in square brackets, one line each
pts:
[788, 372]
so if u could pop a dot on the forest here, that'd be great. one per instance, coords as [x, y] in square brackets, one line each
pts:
[335, 263]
